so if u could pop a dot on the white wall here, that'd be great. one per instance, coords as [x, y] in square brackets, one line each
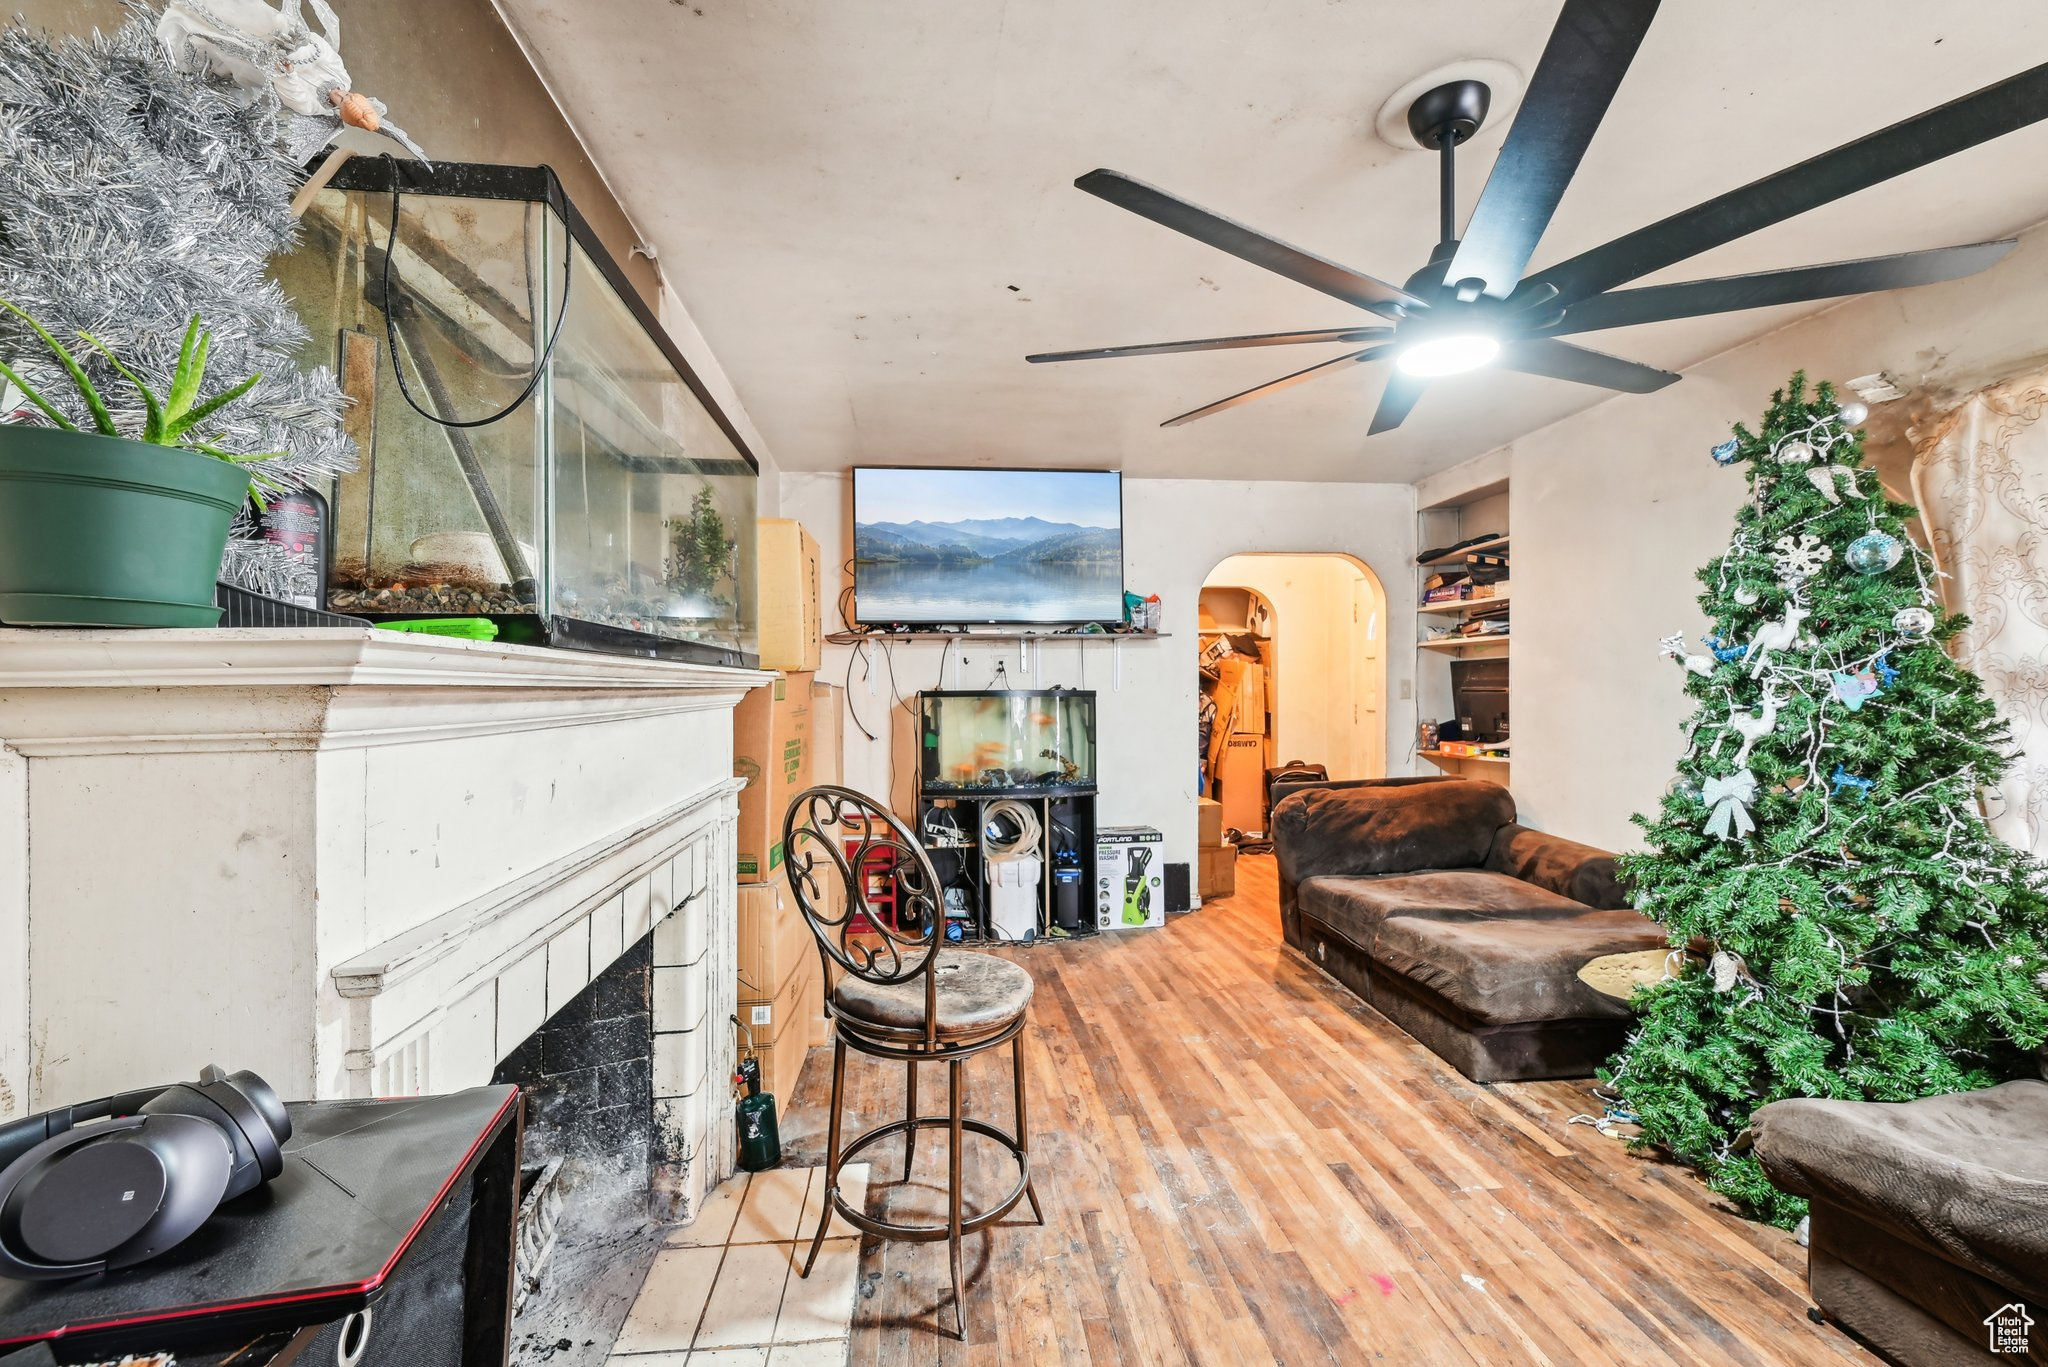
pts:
[1175, 532]
[1315, 641]
[1614, 509]
[14, 1004]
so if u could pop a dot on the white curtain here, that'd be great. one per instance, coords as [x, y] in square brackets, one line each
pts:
[1981, 479]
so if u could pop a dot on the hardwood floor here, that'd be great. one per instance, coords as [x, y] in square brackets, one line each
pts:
[1242, 1163]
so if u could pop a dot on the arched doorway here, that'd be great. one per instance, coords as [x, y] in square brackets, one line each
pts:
[1310, 680]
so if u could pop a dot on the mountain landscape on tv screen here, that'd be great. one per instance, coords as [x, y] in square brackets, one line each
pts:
[986, 541]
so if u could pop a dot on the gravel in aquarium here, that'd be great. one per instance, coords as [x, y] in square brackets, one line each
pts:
[419, 590]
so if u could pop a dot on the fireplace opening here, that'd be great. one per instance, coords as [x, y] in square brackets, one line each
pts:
[586, 1236]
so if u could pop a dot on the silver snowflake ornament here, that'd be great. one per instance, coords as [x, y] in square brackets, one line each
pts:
[1801, 559]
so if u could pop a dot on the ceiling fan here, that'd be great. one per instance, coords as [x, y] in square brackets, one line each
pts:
[1471, 305]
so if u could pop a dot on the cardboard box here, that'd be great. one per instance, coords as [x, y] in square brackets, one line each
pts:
[771, 749]
[1208, 822]
[1251, 699]
[774, 940]
[828, 725]
[782, 1032]
[1243, 774]
[1218, 871]
[792, 628]
[1119, 905]
[904, 757]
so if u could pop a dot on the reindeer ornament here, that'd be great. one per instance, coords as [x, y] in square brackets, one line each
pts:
[1751, 726]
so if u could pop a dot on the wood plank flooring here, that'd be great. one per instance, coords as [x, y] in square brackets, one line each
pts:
[1242, 1163]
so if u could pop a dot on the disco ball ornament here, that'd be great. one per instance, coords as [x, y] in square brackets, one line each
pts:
[1725, 453]
[1794, 453]
[1914, 622]
[1853, 413]
[1873, 553]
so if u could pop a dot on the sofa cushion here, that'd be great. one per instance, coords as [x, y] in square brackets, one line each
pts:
[1447, 825]
[1565, 867]
[1498, 970]
[1963, 1175]
[1354, 907]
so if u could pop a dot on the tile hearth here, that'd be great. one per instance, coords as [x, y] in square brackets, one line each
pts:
[724, 1292]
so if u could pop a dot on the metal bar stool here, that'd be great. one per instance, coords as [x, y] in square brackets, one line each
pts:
[903, 998]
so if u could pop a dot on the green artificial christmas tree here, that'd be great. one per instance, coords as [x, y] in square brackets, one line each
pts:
[1844, 923]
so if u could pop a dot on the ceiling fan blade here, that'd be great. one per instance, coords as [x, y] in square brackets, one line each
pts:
[1654, 304]
[1396, 400]
[1247, 244]
[1371, 353]
[1954, 127]
[1563, 361]
[1217, 344]
[1582, 66]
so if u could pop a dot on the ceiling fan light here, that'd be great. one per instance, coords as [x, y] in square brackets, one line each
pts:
[1451, 354]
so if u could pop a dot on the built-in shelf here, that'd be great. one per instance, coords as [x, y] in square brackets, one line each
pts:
[1086, 637]
[1465, 604]
[1457, 557]
[1440, 757]
[1461, 642]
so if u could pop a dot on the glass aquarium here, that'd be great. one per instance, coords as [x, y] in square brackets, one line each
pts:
[1007, 743]
[534, 448]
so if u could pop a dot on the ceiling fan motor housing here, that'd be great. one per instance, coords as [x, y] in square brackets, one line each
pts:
[1457, 109]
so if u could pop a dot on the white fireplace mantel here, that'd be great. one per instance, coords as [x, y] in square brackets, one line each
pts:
[354, 860]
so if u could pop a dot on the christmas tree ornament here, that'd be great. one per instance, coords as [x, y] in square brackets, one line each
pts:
[1873, 553]
[1853, 690]
[1673, 646]
[1751, 725]
[1801, 557]
[1728, 799]
[259, 48]
[1795, 453]
[1723, 651]
[1725, 453]
[1774, 636]
[1906, 951]
[1725, 969]
[1747, 596]
[1853, 413]
[1681, 786]
[1833, 481]
[1914, 622]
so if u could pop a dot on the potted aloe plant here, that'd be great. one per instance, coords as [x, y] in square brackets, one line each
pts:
[98, 529]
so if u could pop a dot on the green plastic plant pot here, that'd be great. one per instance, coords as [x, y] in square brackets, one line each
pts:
[100, 532]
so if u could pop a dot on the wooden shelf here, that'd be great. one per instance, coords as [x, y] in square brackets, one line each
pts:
[1457, 557]
[1439, 757]
[1465, 604]
[1461, 642]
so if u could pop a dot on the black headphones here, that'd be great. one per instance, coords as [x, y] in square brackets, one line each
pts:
[109, 1183]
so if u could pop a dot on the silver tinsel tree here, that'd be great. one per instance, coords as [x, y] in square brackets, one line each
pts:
[135, 192]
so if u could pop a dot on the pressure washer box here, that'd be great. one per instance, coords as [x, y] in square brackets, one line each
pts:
[1130, 886]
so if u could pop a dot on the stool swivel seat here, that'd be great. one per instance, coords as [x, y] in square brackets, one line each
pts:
[904, 997]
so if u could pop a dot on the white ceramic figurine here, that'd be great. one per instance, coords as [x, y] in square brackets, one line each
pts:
[254, 44]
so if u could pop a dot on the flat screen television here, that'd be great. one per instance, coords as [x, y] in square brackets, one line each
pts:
[951, 547]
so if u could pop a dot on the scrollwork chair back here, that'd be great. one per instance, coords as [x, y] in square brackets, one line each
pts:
[837, 834]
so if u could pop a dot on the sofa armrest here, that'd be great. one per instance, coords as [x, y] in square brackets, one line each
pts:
[1565, 867]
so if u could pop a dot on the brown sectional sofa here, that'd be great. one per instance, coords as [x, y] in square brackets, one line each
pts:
[1929, 1217]
[1427, 899]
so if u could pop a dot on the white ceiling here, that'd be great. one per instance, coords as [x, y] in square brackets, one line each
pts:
[843, 194]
